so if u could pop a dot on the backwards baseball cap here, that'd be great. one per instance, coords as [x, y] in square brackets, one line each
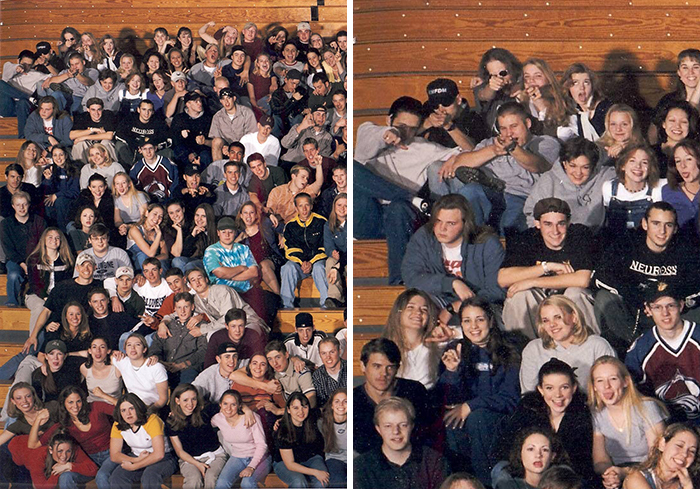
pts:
[294, 75]
[43, 47]
[143, 141]
[248, 25]
[226, 223]
[441, 91]
[657, 290]
[178, 75]
[319, 108]
[304, 320]
[227, 92]
[55, 345]
[266, 120]
[551, 204]
[192, 170]
[83, 257]
[226, 347]
[192, 96]
[303, 26]
[121, 271]
[237, 48]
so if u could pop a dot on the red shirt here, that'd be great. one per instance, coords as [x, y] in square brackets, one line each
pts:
[97, 438]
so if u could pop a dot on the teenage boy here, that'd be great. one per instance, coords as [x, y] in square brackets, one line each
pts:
[333, 374]
[137, 127]
[97, 125]
[154, 174]
[664, 360]
[216, 379]
[107, 258]
[182, 351]
[230, 196]
[554, 257]
[246, 340]
[106, 323]
[190, 129]
[126, 299]
[263, 179]
[281, 199]
[70, 85]
[398, 464]
[312, 126]
[303, 343]
[263, 141]
[230, 124]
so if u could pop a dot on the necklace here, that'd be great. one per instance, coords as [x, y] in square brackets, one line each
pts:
[687, 191]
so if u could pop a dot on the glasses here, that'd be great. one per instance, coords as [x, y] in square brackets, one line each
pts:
[666, 307]
[70, 39]
[502, 74]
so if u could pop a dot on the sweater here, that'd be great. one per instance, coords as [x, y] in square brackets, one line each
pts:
[586, 200]
[34, 130]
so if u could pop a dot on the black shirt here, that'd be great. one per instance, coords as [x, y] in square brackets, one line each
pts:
[66, 291]
[131, 129]
[528, 249]
[423, 469]
[196, 440]
[108, 121]
[112, 326]
[69, 374]
[303, 451]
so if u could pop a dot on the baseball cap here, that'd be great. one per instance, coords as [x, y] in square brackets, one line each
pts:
[226, 347]
[226, 92]
[43, 47]
[226, 223]
[83, 257]
[56, 345]
[121, 271]
[304, 320]
[237, 48]
[656, 290]
[319, 108]
[303, 26]
[178, 75]
[192, 170]
[266, 120]
[441, 91]
[551, 204]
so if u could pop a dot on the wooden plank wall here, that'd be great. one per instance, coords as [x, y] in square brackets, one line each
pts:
[24, 23]
[632, 44]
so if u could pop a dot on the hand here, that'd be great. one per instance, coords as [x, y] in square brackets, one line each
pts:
[496, 83]
[273, 387]
[195, 332]
[61, 468]
[447, 170]
[392, 138]
[297, 96]
[612, 477]
[462, 290]
[440, 333]
[46, 83]
[499, 145]
[305, 123]
[615, 150]
[123, 229]
[197, 230]
[435, 119]
[151, 361]
[217, 72]
[248, 417]
[306, 267]
[128, 466]
[247, 472]
[49, 200]
[163, 331]
[118, 355]
[140, 280]
[533, 93]
[52, 327]
[202, 467]
[336, 254]
[322, 476]
[202, 190]
[48, 172]
[452, 358]
[42, 417]
[98, 392]
[200, 139]
[332, 276]
[684, 478]
[30, 343]
[560, 268]
[519, 287]
[299, 364]
[273, 219]
[457, 416]
[149, 321]
[117, 305]
[244, 78]
[194, 321]
[185, 133]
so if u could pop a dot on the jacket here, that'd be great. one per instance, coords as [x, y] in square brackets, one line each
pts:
[110, 99]
[423, 269]
[303, 241]
[34, 130]
[586, 201]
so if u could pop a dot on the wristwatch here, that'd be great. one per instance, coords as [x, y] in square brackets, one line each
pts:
[545, 267]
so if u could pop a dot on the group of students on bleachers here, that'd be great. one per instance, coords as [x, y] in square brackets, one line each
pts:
[148, 206]
[570, 357]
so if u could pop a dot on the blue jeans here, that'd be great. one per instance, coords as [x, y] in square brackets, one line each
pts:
[9, 368]
[138, 257]
[71, 480]
[396, 222]
[14, 102]
[151, 477]
[500, 209]
[106, 468]
[473, 443]
[235, 465]
[338, 471]
[295, 479]
[184, 263]
[291, 275]
[15, 279]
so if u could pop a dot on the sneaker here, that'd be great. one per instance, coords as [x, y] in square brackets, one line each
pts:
[60, 87]
[467, 174]
[331, 303]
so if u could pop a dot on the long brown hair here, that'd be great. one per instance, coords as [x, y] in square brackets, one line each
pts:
[177, 419]
[83, 328]
[333, 221]
[328, 423]
[471, 233]
[692, 147]
[558, 109]
[41, 254]
[652, 461]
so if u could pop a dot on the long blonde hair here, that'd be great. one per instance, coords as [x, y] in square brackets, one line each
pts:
[581, 330]
[105, 153]
[42, 254]
[636, 138]
[632, 400]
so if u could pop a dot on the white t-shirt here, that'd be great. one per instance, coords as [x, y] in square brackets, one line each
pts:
[416, 366]
[142, 380]
[270, 149]
[626, 196]
[153, 296]
[452, 260]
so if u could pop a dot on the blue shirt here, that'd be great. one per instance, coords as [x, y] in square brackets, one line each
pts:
[216, 256]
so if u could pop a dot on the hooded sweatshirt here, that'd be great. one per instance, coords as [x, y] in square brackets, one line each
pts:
[586, 201]
[110, 99]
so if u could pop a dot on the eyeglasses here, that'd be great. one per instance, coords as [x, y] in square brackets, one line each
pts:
[502, 74]
[70, 39]
[667, 307]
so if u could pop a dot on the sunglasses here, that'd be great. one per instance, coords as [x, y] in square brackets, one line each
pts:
[502, 74]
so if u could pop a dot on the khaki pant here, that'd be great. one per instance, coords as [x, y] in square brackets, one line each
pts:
[336, 290]
[193, 477]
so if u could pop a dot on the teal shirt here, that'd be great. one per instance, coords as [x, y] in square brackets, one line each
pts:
[216, 256]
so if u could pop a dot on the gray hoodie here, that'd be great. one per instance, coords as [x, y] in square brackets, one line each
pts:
[110, 99]
[586, 201]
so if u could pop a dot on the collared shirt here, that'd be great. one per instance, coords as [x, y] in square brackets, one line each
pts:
[307, 352]
[326, 385]
[423, 468]
[293, 381]
[281, 200]
[217, 255]
[211, 384]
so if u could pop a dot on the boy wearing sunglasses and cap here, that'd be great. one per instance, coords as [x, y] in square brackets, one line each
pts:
[230, 124]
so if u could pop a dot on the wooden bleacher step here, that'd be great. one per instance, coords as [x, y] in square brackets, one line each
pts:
[8, 127]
